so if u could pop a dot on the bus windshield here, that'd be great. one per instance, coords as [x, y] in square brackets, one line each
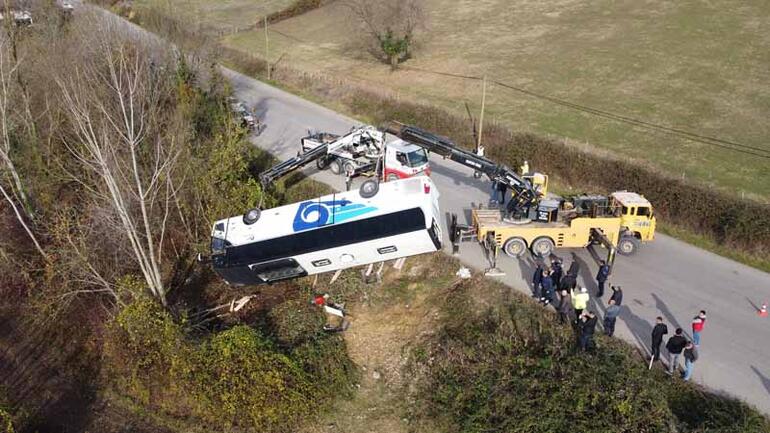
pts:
[417, 158]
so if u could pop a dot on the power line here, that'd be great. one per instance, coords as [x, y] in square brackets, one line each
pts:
[676, 132]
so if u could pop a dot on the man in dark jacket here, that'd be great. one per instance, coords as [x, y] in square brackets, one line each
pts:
[546, 297]
[617, 295]
[690, 356]
[610, 317]
[574, 267]
[587, 329]
[675, 345]
[568, 282]
[658, 332]
[537, 277]
[601, 277]
[556, 272]
[564, 307]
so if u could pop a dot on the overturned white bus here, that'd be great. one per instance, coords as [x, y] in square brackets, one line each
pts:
[376, 223]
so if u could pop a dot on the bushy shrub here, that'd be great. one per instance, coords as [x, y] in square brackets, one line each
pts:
[237, 377]
[509, 367]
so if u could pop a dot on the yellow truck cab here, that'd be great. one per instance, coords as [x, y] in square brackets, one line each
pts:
[637, 220]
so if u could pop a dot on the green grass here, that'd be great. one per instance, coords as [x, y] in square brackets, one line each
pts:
[685, 64]
[220, 16]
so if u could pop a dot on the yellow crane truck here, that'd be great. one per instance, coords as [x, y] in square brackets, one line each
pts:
[536, 221]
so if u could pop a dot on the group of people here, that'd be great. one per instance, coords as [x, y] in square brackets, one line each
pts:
[547, 281]
[678, 345]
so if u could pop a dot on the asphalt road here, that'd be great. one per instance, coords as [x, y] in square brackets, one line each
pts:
[667, 277]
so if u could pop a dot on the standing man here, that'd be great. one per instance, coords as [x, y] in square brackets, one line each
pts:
[587, 329]
[579, 301]
[601, 277]
[501, 189]
[617, 295]
[536, 279]
[547, 283]
[675, 345]
[556, 272]
[568, 282]
[690, 356]
[658, 332]
[610, 317]
[698, 322]
[565, 305]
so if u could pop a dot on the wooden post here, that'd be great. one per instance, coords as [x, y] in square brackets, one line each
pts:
[481, 116]
[267, 51]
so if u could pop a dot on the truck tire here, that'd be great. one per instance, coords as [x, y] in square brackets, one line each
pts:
[628, 245]
[348, 168]
[336, 166]
[251, 216]
[392, 176]
[322, 163]
[515, 247]
[542, 247]
[369, 188]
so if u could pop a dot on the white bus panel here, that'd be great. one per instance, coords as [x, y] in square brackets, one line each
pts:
[332, 232]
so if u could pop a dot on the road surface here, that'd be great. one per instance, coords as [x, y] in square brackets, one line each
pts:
[667, 278]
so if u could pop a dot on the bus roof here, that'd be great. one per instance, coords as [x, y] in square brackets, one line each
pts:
[330, 209]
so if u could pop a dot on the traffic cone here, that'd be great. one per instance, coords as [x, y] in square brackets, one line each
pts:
[763, 311]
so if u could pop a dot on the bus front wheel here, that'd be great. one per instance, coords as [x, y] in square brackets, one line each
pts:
[251, 216]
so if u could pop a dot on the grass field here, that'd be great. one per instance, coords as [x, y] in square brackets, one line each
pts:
[699, 66]
[220, 16]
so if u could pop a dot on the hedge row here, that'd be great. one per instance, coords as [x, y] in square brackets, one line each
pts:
[298, 7]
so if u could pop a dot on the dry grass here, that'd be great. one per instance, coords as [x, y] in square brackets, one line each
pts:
[688, 64]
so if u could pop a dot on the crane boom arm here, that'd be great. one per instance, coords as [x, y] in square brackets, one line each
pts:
[267, 177]
[524, 196]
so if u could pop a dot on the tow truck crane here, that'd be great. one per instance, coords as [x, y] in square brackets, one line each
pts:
[535, 220]
[362, 151]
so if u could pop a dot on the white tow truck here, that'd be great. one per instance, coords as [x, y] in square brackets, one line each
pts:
[362, 151]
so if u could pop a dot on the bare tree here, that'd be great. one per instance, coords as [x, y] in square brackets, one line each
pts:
[114, 102]
[14, 193]
[391, 24]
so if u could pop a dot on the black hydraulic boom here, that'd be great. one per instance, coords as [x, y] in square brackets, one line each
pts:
[267, 177]
[523, 195]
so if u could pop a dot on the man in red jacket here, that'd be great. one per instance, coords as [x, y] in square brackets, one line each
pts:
[698, 322]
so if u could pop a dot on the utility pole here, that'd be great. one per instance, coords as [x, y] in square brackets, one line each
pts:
[267, 51]
[481, 116]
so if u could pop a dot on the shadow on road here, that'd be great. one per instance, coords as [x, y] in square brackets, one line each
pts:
[459, 178]
[640, 328]
[756, 308]
[666, 312]
[765, 380]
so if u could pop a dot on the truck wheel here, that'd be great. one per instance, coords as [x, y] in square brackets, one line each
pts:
[542, 247]
[515, 247]
[336, 166]
[251, 216]
[349, 168]
[392, 176]
[628, 245]
[369, 188]
[322, 163]
[477, 175]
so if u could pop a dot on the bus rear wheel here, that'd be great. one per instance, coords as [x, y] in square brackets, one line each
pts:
[542, 247]
[628, 245]
[515, 247]
[369, 188]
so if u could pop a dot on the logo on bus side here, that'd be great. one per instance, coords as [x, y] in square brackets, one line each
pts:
[312, 214]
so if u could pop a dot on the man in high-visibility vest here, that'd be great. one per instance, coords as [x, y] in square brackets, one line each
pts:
[579, 301]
